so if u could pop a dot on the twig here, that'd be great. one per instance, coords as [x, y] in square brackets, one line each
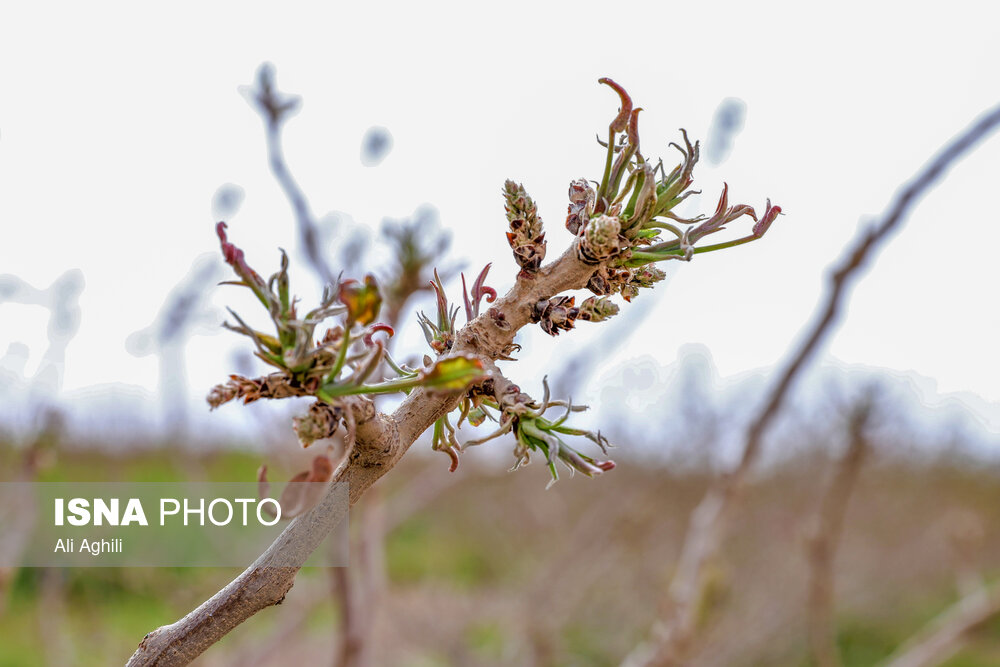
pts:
[944, 636]
[822, 545]
[382, 440]
[275, 108]
[673, 635]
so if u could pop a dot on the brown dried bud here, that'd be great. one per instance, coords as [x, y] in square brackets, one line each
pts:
[581, 205]
[320, 422]
[555, 314]
[222, 393]
[275, 385]
[498, 318]
[608, 280]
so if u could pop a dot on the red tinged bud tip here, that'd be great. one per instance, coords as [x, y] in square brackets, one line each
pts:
[605, 465]
[232, 254]
[374, 329]
[633, 127]
[621, 120]
[234, 257]
[770, 213]
[480, 289]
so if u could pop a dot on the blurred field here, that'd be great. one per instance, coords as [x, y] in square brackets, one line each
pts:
[496, 570]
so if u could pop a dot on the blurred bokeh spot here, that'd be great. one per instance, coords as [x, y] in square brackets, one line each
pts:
[375, 146]
[727, 122]
[227, 200]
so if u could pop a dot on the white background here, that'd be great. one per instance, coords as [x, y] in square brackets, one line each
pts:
[118, 122]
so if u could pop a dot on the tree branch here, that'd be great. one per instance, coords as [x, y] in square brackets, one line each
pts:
[381, 441]
[672, 636]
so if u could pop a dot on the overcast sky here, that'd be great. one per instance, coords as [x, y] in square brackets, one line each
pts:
[119, 121]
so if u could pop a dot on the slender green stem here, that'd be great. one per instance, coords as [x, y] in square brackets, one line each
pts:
[438, 432]
[389, 387]
[727, 244]
[661, 252]
[640, 258]
[341, 357]
[660, 224]
[601, 192]
[392, 364]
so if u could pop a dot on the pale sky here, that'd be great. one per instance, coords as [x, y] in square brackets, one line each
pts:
[118, 122]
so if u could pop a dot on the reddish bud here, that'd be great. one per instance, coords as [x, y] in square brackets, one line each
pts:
[374, 329]
[234, 257]
[770, 213]
[625, 112]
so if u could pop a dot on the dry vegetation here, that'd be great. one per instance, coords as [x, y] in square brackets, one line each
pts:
[480, 575]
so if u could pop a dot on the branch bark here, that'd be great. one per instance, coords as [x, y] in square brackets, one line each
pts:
[381, 441]
[673, 635]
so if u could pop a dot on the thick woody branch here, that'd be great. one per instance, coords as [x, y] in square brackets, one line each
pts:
[673, 635]
[381, 441]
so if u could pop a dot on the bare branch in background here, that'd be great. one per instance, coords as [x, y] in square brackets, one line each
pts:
[727, 123]
[673, 635]
[825, 537]
[62, 300]
[275, 108]
[183, 311]
[416, 243]
[946, 634]
[966, 534]
[18, 512]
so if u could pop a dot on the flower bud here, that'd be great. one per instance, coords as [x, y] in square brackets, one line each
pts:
[594, 309]
[770, 214]
[581, 205]
[555, 314]
[320, 422]
[645, 276]
[525, 237]
[600, 239]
